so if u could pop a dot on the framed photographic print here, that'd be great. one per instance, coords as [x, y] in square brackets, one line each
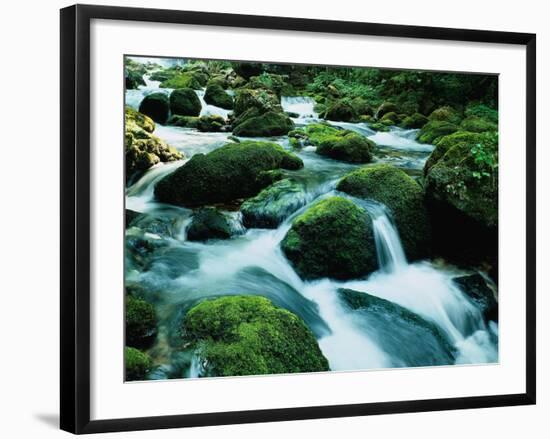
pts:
[268, 218]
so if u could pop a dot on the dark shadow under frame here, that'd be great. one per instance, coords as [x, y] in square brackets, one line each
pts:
[75, 217]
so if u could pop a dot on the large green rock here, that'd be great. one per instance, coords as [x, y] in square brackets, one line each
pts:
[462, 194]
[234, 171]
[386, 107]
[273, 205]
[185, 102]
[248, 335]
[261, 99]
[133, 80]
[415, 120]
[137, 364]
[404, 198]
[216, 95]
[247, 69]
[338, 144]
[435, 130]
[185, 79]
[477, 124]
[156, 106]
[333, 238]
[208, 223]
[141, 323]
[399, 329]
[342, 111]
[142, 148]
[446, 114]
[270, 123]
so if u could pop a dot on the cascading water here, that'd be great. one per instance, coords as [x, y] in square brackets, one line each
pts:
[251, 262]
[210, 110]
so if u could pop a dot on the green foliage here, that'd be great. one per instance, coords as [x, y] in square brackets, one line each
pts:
[138, 364]
[446, 114]
[476, 124]
[193, 80]
[233, 171]
[248, 335]
[185, 102]
[156, 106]
[216, 95]
[482, 111]
[270, 123]
[333, 238]
[208, 223]
[141, 323]
[403, 197]
[273, 82]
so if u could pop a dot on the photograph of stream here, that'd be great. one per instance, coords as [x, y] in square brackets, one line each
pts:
[292, 218]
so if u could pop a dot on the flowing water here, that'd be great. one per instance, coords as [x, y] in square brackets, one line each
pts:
[175, 274]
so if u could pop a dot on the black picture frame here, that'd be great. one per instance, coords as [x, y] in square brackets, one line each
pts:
[75, 217]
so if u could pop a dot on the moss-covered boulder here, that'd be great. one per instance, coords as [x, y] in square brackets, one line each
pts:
[478, 290]
[415, 120]
[270, 123]
[270, 81]
[273, 205]
[208, 223]
[483, 111]
[399, 329]
[391, 118]
[446, 114]
[247, 69]
[333, 238]
[386, 107]
[462, 194]
[236, 170]
[404, 198]
[133, 80]
[183, 121]
[137, 364]
[435, 130]
[186, 79]
[260, 99]
[141, 323]
[185, 102]
[216, 95]
[212, 123]
[338, 144]
[342, 111]
[477, 124]
[156, 106]
[248, 335]
[142, 148]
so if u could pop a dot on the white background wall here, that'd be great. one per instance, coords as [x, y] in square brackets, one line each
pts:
[29, 250]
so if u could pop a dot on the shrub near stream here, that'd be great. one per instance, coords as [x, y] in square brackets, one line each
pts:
[248, 335]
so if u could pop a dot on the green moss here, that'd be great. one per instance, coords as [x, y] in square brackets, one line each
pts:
[390, 118]
[415, 120]
[377, 126]
[191, 80]
[141, 323]
[482, 111]
[156, 106]
[211, 123]
[338, 144]
[142, 148]
[185, 102]
[466, 177]
[333, 238]
[434, 130]
[273, 82]
[138, 364]
[231, 172]
[133, 80]
[476, 124]
[208, 223]
[183, 121]
[216, 95]
[259, 99]
[446, 114]
[248, 335]
[402, 195]
[270, 123]
[386, 107]
[341, 110]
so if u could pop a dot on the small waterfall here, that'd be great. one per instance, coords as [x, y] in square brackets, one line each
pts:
[301, 105]
[211, 110]
[195, 369]
[390, 253]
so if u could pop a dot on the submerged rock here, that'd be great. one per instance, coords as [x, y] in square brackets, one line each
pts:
[248, 335]
[141, 323]
[273, 205]
[403, 333]
[208, 223]
[236, 170]
[477, 289]
[156, 106]
[402, 195]
[185, 102]
[333, 238]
